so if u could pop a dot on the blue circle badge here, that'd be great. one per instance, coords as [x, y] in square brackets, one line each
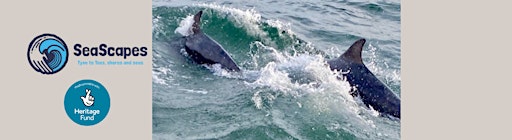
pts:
[47, 54]
[87, 102]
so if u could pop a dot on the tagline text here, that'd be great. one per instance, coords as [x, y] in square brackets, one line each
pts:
[108, 63]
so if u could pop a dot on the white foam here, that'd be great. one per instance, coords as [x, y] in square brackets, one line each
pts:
[322, 92]
[194, 91]
[158, 80]
[258, 102]
[159, 73]
[275, 75]
[248, 18]
[219, 71]
[185, 28]
[154, 22]
[273, 78]
[282, 26]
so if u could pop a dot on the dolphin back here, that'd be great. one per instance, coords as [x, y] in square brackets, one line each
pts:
[372, 91]
[205, 50]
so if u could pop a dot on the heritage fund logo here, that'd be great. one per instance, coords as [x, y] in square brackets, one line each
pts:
[87, 102]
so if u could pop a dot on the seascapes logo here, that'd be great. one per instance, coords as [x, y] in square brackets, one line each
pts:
[47, 53]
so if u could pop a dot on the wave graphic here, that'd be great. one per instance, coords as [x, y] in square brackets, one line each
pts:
[47, 54]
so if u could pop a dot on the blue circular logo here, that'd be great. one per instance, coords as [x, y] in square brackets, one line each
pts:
[87, 102]
[47, 54]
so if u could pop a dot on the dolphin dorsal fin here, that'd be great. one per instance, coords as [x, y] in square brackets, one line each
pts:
[354, 52]
[197, 22]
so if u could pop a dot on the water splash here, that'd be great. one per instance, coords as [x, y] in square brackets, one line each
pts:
[185, 28]
[249, 19]
[289, 85]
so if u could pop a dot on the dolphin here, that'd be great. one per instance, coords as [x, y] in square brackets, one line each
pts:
[371, 90]
[204, 50]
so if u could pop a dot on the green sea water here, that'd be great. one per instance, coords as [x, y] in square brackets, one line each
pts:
[286, 90]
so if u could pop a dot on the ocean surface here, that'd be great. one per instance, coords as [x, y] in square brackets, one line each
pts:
[286, 90]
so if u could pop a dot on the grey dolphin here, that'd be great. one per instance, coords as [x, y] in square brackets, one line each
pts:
[204, 50]
[372, 91]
